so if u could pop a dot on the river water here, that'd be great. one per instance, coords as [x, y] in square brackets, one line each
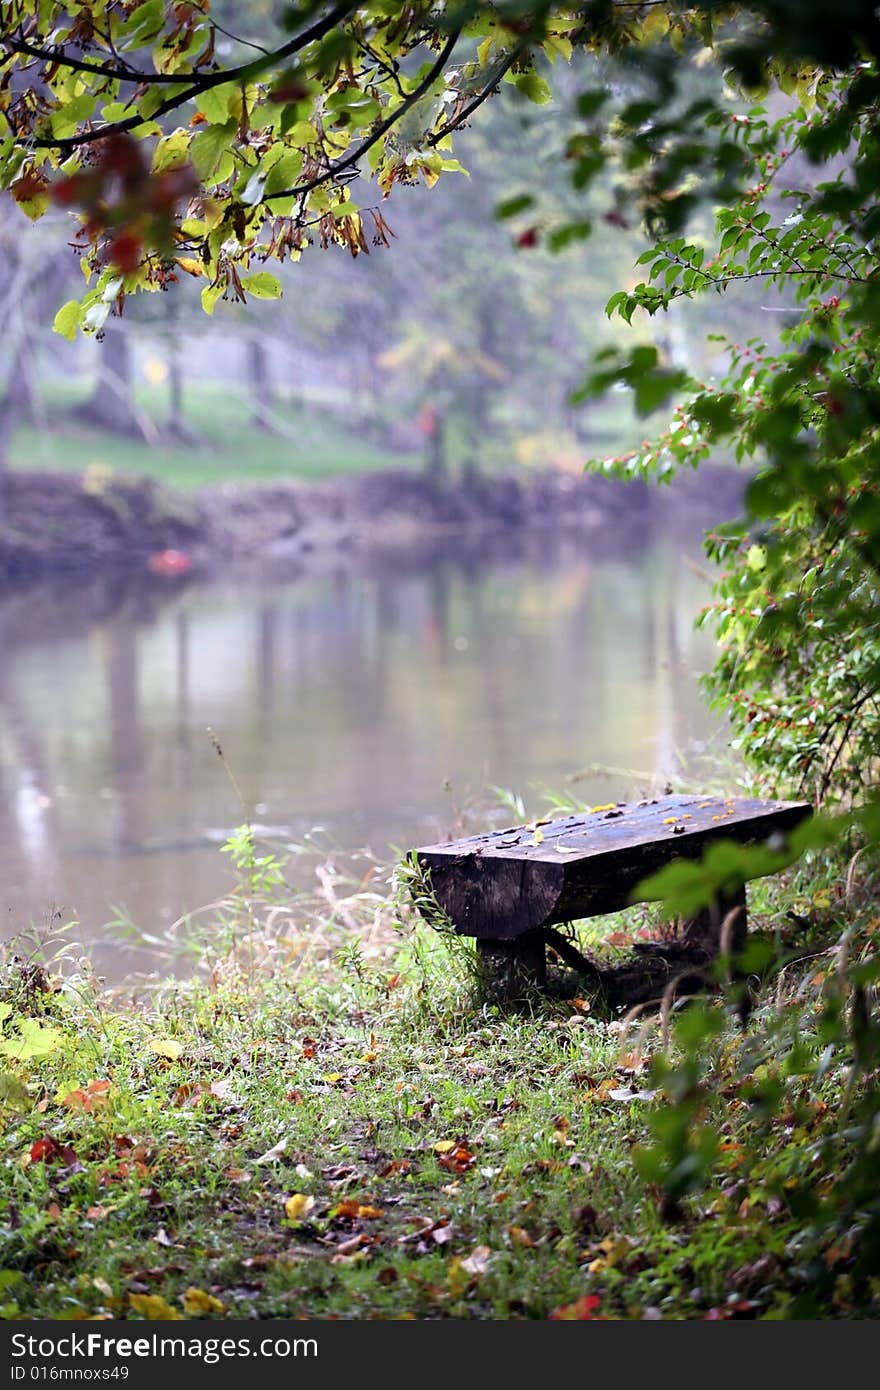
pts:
[380, 705]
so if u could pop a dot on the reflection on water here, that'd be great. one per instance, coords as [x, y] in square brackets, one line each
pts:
[374, 704]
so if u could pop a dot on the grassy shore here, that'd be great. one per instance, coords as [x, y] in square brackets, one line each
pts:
[223, 442]
[327, 1122]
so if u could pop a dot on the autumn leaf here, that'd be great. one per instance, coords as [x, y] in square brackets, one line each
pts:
[297, 1207]
[274, 1154]
[624, 1094]
[153, 1307]
[582, 1310]
[167, 1048]
[478, 1261]
[352, 1210]
[94, 1096]
[196, 1303]
[444, 1146]
[518, 1235]
[47, 1150]
[191, 265]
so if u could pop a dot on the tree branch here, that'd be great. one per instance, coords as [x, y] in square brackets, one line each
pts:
[350, 160]
[196, 87]
[481, 96]
[64, 60]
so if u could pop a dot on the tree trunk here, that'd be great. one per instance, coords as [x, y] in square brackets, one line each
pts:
[111, 405]
[259, 373]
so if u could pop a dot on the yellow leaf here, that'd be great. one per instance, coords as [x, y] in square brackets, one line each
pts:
[609, 806]
[333, 1078]
[519, 1236]
[654, 26]
[444, 1146]
[196, 1301]
[166, 1047]
[367, 1213]
[153, 1307]
[298, 1206]
[483, 51]
[191, 265]
[671, 820]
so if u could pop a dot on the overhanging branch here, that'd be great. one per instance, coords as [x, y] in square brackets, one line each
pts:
[195, 88]
[350, 160]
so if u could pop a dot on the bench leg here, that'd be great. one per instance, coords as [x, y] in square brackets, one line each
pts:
[512, 969]
[727, 918]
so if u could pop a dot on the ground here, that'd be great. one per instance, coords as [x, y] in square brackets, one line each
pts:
[329, 1123]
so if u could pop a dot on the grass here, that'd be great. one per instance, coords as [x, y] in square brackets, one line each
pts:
[314, 443]
[327, 1122]
[313, 440]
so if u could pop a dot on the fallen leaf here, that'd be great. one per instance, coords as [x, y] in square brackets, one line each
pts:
[353, 1210]
[333, 1078]
[167, 1048]
[518, 1235]
[153, 1307]
[444, 1146]
[582, 1310]
[272, 1155]
[196, 1302]
[458, 1161]
[353, 1244]
[478, 1261]
[298, 1206]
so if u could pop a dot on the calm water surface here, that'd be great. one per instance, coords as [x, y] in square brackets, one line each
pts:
[375, 705]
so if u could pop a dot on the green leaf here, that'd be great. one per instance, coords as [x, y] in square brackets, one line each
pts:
[171, 152]
[757, 558]
[208, 147]
[210, 295]
[14, 1095]
[71, 114]
[32, 1040]
[68, 319]
[214, 103]
[262, 285]
[511, 206]
[533, 88]
[145, 22]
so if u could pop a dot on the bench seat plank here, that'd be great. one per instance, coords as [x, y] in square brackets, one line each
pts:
[500, 885]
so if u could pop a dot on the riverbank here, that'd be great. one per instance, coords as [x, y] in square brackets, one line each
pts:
[60, 523]
[328, 1124]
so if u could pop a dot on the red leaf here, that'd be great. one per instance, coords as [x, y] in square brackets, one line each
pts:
[42, 1150]
[582, 1310]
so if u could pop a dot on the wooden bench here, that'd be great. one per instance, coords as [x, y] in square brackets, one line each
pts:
[509, 888]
